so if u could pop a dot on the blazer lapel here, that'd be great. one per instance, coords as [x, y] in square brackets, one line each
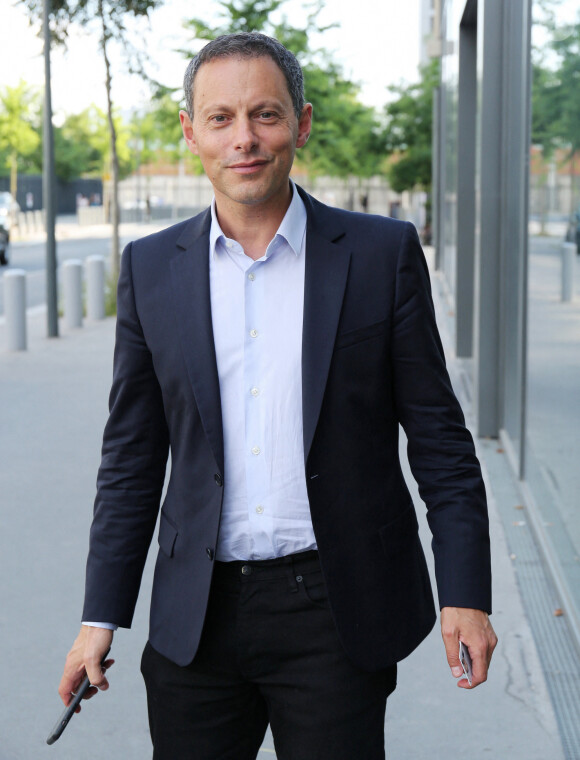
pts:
[192, 304]
[326, 275]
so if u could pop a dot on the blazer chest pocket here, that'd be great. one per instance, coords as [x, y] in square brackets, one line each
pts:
[167, 535]
[360, 334]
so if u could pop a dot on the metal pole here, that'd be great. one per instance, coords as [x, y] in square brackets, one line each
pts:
[95, 266]
[73, 292]
[49, 186]
[568, 251]
[15, 308]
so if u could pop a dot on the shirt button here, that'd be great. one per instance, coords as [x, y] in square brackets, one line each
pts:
[218, 479]
[229, 244]
[255, 450]
[209, 552]
[246, 569]
[251, 276]
[260, 509]
[255, 392]
[254, 333]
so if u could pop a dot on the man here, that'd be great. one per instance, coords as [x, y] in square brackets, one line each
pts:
[274, 345]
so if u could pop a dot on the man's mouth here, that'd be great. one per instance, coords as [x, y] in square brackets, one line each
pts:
[247, 167]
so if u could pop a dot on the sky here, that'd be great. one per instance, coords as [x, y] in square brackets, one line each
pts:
[377, 44]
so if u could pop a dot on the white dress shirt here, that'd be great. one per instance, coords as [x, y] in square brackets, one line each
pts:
[256, 310]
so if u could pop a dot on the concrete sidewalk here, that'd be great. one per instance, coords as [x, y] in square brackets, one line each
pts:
[53, 401]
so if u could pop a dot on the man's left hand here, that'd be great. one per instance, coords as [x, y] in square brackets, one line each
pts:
[474, 629]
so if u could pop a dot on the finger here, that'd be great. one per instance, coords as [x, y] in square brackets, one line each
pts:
[451, 643]
[481, 658]
[103, 683]
[91, 691]
[98, 643]
[69, 685]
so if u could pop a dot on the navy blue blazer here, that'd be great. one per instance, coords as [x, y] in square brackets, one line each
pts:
[371, 360]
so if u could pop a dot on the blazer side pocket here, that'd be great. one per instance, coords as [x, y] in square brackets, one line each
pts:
[167, 535]
[397, 534]
[360, 334]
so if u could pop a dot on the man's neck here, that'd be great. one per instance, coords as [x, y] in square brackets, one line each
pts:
[252, 226]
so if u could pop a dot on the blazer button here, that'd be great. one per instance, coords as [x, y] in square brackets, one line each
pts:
[218, 479]
[209, 552]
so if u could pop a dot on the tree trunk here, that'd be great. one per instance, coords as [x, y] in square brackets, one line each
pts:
[13, 173]
[572, 182]
[115, 248]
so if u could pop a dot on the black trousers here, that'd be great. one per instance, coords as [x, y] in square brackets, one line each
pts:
[269, 654]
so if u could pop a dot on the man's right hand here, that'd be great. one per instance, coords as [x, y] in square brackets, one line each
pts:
[86, 658]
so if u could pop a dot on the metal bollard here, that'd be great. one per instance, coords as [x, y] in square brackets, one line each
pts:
[568, 257]
[96, 287]
[73, 293]
[15, 308]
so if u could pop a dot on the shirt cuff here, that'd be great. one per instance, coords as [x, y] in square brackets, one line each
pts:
[108, 626]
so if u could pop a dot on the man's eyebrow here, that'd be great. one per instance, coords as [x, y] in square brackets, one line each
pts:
[214, 108]
[268, 105]
[262, 105]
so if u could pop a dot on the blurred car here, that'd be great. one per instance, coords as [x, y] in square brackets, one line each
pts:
[8, 211]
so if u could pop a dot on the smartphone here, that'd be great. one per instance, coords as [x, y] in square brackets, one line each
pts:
[465, 660]
[69, 711]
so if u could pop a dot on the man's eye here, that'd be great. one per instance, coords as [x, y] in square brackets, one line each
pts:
[219, 119]
[267, 115]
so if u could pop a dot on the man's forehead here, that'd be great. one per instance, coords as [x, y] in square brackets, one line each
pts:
[269, 82]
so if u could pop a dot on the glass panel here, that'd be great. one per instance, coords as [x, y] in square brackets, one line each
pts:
[553, 392]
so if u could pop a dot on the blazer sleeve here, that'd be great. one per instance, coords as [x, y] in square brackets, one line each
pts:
[132, 471]
[440, 448]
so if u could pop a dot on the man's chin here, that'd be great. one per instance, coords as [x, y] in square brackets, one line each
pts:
[255, 196]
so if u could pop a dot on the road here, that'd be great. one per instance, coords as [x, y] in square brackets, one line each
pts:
[30, 257]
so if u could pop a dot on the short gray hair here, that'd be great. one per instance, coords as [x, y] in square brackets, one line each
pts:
[248, 45]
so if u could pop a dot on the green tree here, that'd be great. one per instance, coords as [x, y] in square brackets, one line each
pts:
[109, 17]
[555, 84]
[566, 45]
[158, 131]
[345, 134]
[546, 107]
[78, 146]
[19, 125]
[407, 136]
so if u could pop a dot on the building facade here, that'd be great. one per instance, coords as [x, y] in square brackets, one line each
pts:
[512, 284]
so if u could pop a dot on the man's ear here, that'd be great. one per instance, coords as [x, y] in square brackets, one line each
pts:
[304, 126]
[187, 129]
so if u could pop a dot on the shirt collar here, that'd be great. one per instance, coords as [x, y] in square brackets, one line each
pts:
[292, 228]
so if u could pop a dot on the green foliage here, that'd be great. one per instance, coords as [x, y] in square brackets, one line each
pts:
[555, 87]
[566, 45]
[344, 138]
[77, 149]
[407, 136]
[66, 13]
[19, 128]
[546, 107]
[109, 17]
[158, 133]
[111, 296]
[239, 16]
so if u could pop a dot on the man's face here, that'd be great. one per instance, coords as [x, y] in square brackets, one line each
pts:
[245, 130]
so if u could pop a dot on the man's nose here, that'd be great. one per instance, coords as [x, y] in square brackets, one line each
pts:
[245, 135]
